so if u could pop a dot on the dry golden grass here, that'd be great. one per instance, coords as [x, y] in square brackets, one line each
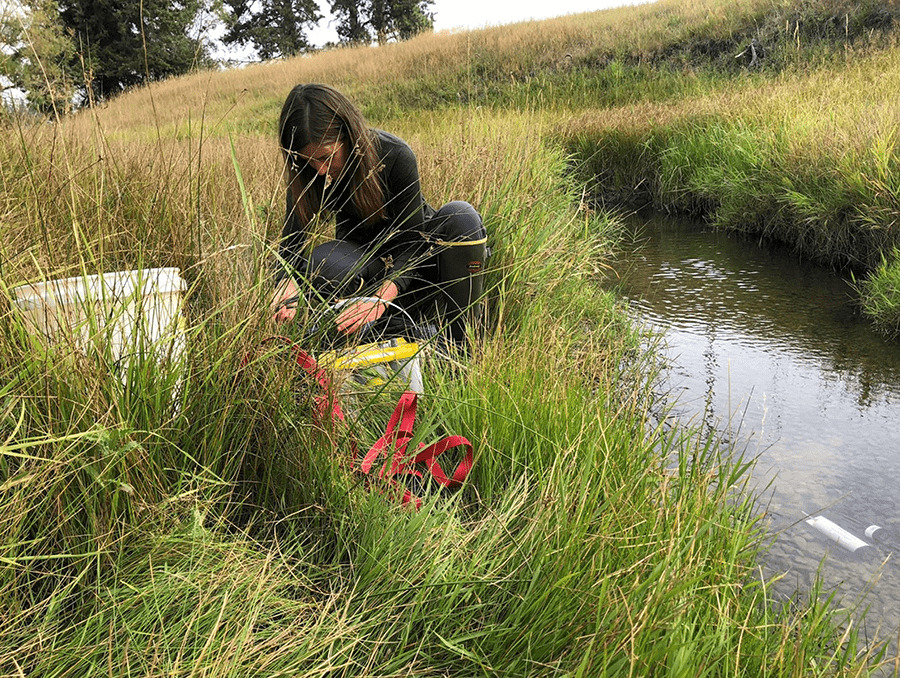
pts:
[123, 200]
[178, 202]
[832, 111]
[221, 100]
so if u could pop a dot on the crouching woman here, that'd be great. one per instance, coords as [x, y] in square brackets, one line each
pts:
[391, 249]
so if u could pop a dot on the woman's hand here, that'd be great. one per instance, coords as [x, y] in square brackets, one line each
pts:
[358, 314]
[284, 302]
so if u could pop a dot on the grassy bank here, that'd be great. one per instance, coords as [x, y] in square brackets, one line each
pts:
[228, 537]
[807, 158]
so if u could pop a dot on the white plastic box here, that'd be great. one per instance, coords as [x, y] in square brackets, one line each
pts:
[128, 311]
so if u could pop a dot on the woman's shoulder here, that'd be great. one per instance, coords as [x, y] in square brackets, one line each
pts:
[391, 144]
[394, 151]
[386, 138]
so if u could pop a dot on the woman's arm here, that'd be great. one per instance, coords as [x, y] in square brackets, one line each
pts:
[285, 299]
[403, 243]
[355, 316]
[290, 250]
[293, 241]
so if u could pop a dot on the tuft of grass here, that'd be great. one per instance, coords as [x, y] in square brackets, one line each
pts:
[880, 294]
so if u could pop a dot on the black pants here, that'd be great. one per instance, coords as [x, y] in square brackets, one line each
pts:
[445, 285]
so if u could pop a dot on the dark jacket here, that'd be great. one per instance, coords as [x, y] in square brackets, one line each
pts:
[397, 239]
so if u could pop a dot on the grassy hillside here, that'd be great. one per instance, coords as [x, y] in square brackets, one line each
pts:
[229, 535]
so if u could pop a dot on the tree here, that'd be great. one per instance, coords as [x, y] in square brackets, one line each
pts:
[361, 21]
[122, 43]
[275, 28]
[400, 19]
[36, 55]
[351, 23]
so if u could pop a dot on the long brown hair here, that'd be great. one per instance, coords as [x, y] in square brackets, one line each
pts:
[319, 114]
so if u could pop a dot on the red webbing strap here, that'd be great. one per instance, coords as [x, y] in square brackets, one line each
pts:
[404, 415]
[395, 438]
[398, 435]
[328, 399]
[430, 454]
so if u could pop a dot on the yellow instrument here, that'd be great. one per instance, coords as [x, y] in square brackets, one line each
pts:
[379, 363]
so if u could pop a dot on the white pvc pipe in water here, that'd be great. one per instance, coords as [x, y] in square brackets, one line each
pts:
[871, 530]
[837, 533]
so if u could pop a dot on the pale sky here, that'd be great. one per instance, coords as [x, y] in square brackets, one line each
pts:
[450, 14]
[480, 13]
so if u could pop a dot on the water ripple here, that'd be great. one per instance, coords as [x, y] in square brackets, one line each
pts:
[772, 348]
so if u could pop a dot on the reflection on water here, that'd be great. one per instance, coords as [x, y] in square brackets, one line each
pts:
[764, 344]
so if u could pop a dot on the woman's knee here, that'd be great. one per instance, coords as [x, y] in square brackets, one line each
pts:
[458, 220]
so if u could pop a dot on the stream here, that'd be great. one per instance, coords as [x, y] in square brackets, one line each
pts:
[770, 353]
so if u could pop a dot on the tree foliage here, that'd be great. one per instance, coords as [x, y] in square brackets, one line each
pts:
[275, 28]
[361, 21]
[122, 43]
[351, 22]
[36, 55]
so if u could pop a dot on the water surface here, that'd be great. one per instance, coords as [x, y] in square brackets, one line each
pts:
[772, 352]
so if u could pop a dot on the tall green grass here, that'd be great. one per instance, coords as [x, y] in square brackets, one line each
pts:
[880, 292]
[227, 533]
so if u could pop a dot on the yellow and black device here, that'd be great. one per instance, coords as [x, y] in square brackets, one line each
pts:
[379, 363]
